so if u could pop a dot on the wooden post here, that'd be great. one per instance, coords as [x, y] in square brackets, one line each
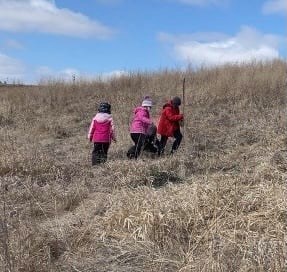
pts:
[182, 160]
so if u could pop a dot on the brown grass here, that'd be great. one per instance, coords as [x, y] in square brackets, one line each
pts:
[227, 213]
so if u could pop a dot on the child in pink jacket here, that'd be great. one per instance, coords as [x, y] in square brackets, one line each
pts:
[139, 127]
[101, 133]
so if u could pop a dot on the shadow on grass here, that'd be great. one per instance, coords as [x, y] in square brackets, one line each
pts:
[162, 178]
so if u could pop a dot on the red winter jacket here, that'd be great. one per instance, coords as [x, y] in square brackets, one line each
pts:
[169, 120]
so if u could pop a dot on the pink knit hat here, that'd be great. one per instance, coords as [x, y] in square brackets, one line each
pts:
[147, 102]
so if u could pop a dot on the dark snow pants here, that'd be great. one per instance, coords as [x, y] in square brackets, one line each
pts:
[100, 153]
[135, 150]
[163, 140]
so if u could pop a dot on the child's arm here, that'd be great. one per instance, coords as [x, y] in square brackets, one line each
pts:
[144, 119]
[173, 117]
[91, 130]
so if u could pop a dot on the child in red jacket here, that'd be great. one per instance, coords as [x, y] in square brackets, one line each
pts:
[169, 125]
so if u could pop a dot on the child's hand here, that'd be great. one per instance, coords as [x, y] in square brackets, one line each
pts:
[181, 123]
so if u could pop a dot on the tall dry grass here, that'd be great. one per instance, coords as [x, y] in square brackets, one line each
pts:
[227, 214]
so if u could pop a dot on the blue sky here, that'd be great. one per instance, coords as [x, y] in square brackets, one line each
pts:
[89, 38]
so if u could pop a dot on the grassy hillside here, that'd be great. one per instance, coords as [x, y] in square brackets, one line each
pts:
[219, 204]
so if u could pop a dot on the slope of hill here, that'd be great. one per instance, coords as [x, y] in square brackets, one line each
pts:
[226, 213]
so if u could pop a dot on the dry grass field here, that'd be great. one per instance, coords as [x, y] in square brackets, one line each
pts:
[219, 204]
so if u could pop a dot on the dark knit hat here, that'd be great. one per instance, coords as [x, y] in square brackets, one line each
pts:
[104, 107]
[176, 101]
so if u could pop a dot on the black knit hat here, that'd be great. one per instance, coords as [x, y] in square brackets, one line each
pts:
[105, 107]
[176, 101]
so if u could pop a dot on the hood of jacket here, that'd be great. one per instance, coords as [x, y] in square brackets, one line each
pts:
[102, 117]
[168, 104]
[139, 109]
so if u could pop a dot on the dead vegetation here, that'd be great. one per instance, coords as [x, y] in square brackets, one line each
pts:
[227, 214]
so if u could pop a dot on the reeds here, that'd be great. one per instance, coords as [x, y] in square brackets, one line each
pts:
[227, 214]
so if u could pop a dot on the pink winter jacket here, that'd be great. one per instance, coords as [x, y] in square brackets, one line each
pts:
[141, 121]
[102, 128]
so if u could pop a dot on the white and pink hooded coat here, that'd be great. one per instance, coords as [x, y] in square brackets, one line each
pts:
[102, 128]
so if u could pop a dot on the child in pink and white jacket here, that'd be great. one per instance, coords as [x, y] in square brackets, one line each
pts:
[139, 127]
[101, 133]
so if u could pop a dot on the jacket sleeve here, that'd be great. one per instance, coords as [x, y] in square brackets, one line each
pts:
[144, 119]
[173, 117]
[91, 130]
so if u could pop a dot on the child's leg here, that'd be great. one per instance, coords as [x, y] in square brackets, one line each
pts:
[147, 143]
[100, 153]
[96, 154]
[162, 144]
[131, 152]
[132, 149]
[178, 138]
[138, 139]
[104, 154]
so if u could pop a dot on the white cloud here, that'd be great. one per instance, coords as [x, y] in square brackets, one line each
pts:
[10, 68]
[197, 36]
[113, 74]
[44, 16]
[247, 45]
[68, 73]
[45, 73]
[275, 6]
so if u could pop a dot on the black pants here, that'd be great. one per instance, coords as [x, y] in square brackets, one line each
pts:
[178, 137]
[100, 153]
[135, 150]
